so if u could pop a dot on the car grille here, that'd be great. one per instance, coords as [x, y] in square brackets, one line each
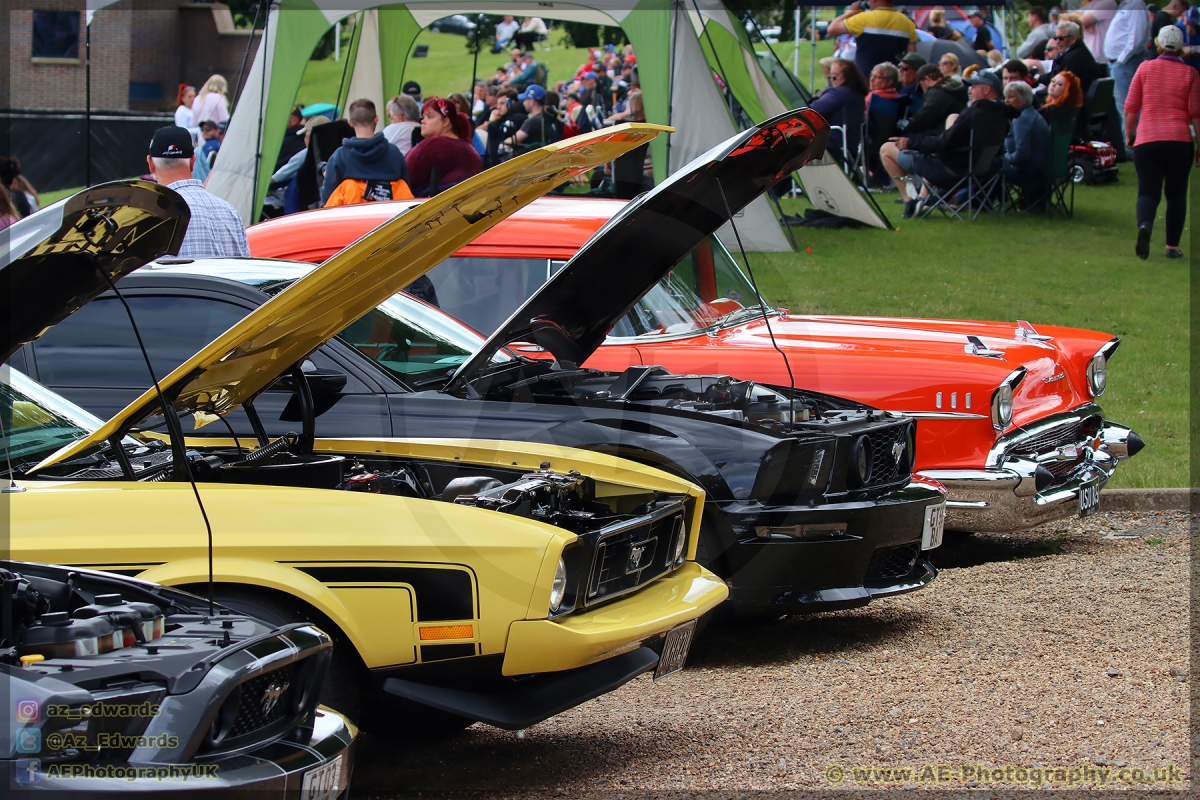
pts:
[256, 711]
[1078, 433]
[633, 554]
[890, 564]
[886, 467]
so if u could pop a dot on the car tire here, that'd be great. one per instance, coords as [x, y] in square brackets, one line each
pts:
[342, 690]
[1081, 171]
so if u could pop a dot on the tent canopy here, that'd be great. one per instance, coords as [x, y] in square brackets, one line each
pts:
[664, 34]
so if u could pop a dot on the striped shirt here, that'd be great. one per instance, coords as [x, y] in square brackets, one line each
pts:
[215, 229]
[1166, 92]
[883, 34]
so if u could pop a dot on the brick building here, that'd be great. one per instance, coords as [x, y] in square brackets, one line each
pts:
[141, 50]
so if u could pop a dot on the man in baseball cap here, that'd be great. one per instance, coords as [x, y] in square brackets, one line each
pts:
[909, 64]
[215, 229]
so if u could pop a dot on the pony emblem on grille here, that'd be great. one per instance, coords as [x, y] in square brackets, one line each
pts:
[271, 695]
[635, 558]
[897, 450]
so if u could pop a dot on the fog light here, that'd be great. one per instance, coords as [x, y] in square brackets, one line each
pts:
[860, 462]
[559, 588]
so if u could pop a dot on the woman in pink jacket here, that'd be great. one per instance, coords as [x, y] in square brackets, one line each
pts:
[1163, 100]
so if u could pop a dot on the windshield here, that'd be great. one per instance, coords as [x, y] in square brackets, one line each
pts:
[413, 340]
[706, 288]
[36, 421]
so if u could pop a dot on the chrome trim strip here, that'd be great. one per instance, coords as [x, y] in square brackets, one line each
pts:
[967, 504]
[1011, 439]
[938, 414]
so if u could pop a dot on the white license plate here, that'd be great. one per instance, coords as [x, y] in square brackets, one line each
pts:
[1089, 498]
[675, 649]
[324, 782]
[935, 526]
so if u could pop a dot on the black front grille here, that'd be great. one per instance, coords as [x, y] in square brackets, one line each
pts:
[885, 466]
[632, 556]
[890, 564]
[266, 700]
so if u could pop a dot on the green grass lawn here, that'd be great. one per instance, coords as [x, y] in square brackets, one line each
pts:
[1079, 272]
[446, 69]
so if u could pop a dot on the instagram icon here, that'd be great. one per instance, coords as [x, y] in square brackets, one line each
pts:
[28, 711]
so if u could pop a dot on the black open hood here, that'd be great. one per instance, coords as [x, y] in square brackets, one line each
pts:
[572, 312]
[55, 261]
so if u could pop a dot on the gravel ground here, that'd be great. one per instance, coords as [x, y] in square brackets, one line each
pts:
[1062, 647]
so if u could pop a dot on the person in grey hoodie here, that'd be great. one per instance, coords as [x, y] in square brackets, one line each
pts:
[1040, 32]
[367, 156]
[942, 97]
[1028, 142]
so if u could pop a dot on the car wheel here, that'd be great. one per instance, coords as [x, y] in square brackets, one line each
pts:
[1081, 171]
[342, 690]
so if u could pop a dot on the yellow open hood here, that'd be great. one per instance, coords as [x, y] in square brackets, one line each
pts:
[252, 354]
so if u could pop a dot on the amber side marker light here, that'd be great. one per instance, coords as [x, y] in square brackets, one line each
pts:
[432, 633]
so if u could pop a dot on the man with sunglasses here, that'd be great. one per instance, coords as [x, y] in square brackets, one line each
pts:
[909, 86]
[1074, 56]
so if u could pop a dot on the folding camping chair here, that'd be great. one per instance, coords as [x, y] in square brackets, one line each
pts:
[853, 130]
[1050, 194]
[983, 181]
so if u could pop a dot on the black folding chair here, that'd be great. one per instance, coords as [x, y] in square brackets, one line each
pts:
[1056, 191]
[983, 181]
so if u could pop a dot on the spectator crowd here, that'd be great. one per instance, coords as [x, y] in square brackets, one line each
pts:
[900, 120]
[919, 125]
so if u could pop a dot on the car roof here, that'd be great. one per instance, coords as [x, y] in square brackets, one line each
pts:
[550, 227]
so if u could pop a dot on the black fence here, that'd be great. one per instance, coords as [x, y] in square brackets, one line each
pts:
[51, 147]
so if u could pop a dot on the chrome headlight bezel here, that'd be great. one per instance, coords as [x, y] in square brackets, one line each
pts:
[1097, 374]
[1002, 399]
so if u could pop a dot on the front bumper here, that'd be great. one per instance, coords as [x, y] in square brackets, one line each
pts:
[273, 770]
[563, 663]
[878, 554]
[1005, 497]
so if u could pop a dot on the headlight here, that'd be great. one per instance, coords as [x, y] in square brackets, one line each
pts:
[559, 589]
[1097, 374]
[1002, 407]
[678, 542]
[860, 462]
[909, 456]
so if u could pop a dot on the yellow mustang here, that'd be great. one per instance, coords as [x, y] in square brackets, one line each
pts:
[461, 580]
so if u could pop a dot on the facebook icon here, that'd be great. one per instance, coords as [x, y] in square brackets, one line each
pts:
[29, 770]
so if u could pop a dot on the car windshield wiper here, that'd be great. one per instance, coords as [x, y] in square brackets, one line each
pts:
[737, 315]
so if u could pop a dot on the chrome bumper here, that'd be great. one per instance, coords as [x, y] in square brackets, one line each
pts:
[1005, 497]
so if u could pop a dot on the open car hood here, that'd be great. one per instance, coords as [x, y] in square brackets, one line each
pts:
[57, 260]
[268, 342]
[571, 314]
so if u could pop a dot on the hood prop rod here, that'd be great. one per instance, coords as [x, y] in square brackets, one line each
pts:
[762, 304]
[178, 446]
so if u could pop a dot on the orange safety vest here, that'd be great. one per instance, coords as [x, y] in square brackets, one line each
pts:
[350, 191]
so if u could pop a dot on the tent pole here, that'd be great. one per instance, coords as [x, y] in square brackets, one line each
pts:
[812, 61]
[796, 43]
[675, 6]
[237, 92]
[794, 79]
[87, 104]
[255, 207]
[717, 58]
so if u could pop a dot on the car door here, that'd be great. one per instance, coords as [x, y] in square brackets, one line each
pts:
[93, 359]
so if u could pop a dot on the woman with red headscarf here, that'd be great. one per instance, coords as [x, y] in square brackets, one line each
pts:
[444, 157]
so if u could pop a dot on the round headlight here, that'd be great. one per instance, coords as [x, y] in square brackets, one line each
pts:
[860, 462]
[559, 588]
[678, 541]
[1002, 407]
[1097, 374]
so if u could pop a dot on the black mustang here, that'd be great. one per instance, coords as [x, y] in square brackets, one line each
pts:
[811, 503]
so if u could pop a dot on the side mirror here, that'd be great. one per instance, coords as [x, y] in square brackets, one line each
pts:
[320, 381]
